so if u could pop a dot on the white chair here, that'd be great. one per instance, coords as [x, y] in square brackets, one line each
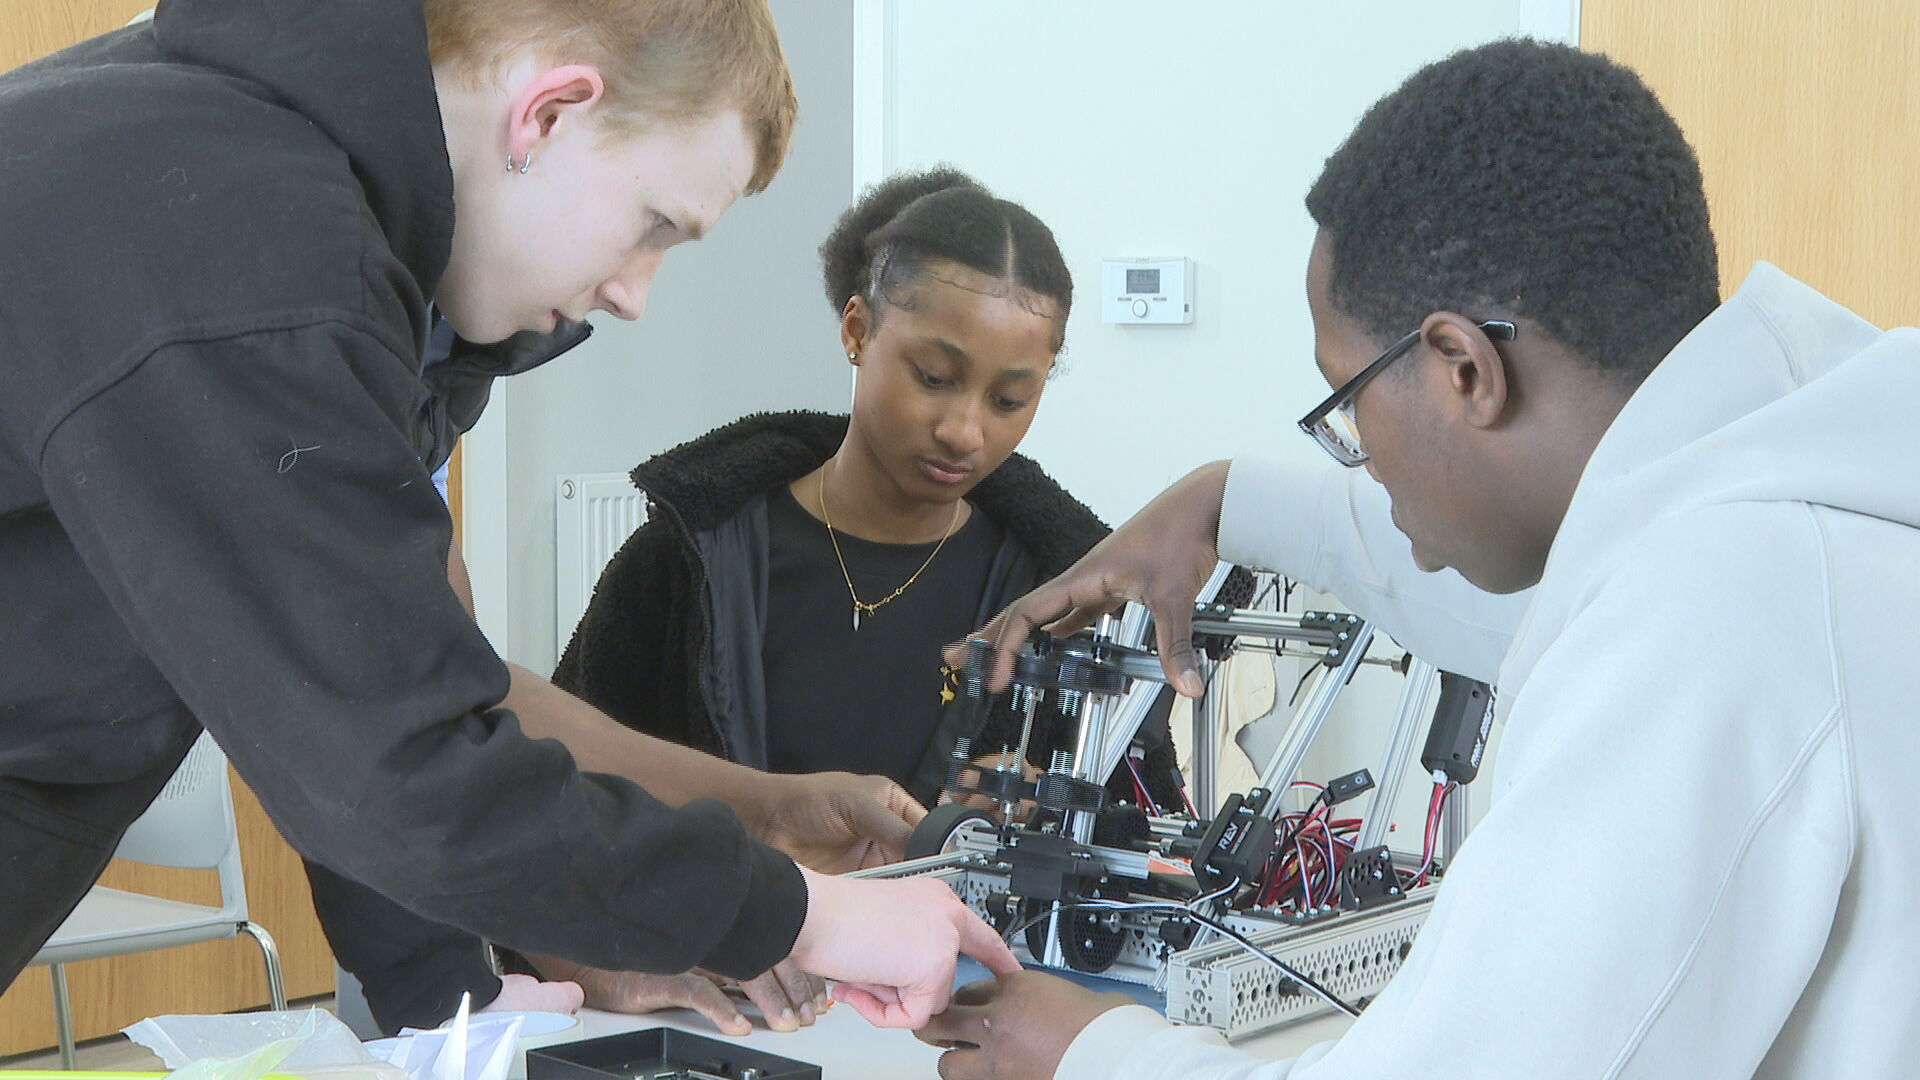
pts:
[190, 825]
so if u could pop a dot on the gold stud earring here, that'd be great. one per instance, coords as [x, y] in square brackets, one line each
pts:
[853, 356]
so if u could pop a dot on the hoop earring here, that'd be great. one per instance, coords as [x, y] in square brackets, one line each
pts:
[524, 166]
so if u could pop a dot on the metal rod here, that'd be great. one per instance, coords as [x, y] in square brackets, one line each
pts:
[1408, 725]
[1206, 752]
[1094, 710]
[1396, 663]
[62, 1015]
[1292, 751]
[1273, 625]
[1030, 701]
[1125, 718]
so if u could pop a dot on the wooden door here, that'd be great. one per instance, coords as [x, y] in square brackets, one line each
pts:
[1806, 117]
[217, 976]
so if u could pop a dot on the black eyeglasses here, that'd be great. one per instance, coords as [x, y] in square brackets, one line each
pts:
[1331, 422]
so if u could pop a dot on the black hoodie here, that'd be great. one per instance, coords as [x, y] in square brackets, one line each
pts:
[221, 232]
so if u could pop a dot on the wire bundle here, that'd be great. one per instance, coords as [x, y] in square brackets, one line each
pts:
[1304, 873]
[1438, 803]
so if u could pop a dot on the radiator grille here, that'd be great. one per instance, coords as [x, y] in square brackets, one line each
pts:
[594, 513]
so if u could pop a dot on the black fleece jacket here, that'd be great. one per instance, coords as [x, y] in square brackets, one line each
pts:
[222, 230]
[670, 643]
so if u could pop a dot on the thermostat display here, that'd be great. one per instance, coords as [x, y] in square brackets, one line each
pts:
[1147, 292]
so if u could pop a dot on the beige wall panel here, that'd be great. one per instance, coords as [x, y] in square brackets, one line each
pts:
[30, 29]
[1806, 116]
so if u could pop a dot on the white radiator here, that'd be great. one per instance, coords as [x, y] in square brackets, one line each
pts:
[593, 514]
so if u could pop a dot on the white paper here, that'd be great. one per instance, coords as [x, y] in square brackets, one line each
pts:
[467, 1048]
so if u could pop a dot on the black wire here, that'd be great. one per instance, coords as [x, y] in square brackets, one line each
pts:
[1272, 584]
[1301, 685]
[1293, 828]
[1288, 969]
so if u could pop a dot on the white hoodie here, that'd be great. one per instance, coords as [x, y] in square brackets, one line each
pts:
[1702, 857]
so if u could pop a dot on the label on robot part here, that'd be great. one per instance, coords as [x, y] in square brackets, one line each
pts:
[1160, 864]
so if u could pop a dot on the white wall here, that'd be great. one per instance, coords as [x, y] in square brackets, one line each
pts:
[736, 323]
[1140, 127]
[1133, 127]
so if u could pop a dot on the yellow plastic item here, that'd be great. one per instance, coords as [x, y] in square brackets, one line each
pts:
[78, 1074]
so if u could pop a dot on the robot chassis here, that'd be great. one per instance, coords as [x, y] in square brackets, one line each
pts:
[1082, 883]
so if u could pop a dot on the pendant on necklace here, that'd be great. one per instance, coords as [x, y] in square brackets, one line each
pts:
[856, 616]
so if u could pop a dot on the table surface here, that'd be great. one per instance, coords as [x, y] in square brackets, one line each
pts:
[846, 1047]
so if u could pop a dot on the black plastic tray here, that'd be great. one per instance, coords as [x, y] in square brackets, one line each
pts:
[643, 1054]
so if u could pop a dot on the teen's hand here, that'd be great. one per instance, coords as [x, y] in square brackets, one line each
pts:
[788, 998]
[524, 993]
[982, 765]
[834, 822]
[1015, 1027]
[1161, 558]
[892, 944]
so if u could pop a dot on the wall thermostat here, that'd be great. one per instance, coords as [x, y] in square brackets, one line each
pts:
[1147, 292]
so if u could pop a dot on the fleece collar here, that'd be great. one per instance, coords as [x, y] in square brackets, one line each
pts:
[709, 479]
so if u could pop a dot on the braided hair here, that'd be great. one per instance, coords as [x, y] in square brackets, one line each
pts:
[902, 228]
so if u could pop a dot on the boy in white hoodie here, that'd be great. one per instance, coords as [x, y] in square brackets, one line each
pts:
[1704, 841]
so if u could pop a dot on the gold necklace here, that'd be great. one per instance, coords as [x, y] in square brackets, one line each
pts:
[861, 606]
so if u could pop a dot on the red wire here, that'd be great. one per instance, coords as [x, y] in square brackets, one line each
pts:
[1434, 808]
[1140, 789]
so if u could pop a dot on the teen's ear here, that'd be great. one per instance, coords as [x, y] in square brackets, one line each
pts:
[550, 101]
[1475, 373]
[856, 325]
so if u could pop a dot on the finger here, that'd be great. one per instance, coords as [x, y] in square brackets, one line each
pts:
[1083, 615]
[1015, 626]
[915, 1009]
[981, 942]
[525, 992]
[959, 1023]
[864, 1001]
[896, 1007]
[877, 821]
[963, 1063]
[901, 802]
[799, 988]
[704, 997]
[959, 654]
[1069, 604]
[885, 995]
[1173, 636]
[779, 1011]
[979, 992]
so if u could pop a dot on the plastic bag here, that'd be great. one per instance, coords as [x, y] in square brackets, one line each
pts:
[246, 1046]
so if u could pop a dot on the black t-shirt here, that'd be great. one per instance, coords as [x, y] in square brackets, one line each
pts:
[863, 700]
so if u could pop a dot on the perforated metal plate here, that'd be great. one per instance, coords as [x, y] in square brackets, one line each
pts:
[1353, 955]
